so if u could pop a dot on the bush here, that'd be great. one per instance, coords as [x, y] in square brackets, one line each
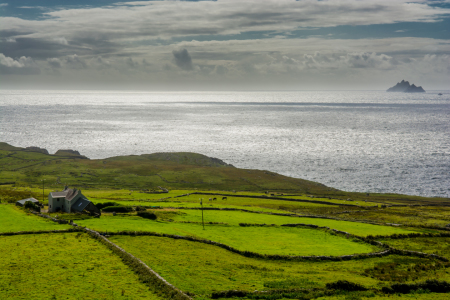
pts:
[140, 208]
[433, 286]
[31, 205]
[106, 204]
[147, 215]
[345, 285]
[118, 208]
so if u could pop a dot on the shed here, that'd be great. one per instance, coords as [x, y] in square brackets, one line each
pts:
[22, 202]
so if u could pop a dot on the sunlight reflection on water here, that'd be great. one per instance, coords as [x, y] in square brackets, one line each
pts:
[356, 141]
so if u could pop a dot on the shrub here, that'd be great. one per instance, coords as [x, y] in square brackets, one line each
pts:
[345, 285]
[434, 286]
[118, 208]
[147, 215]
[31, 205]
[140, 208]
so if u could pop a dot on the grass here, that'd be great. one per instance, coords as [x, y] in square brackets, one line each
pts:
[369, 296]
[264, 240]
[14, 219]
[202, 269]
[236, 217]
[434, 245]
[64, 266]
[86, 269]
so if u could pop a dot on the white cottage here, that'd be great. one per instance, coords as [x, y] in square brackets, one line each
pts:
[70, 200]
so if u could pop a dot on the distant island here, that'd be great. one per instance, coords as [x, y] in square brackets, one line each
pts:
[405, 87]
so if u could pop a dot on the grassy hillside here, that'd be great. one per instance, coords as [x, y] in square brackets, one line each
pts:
[181, 171]
[148, 171]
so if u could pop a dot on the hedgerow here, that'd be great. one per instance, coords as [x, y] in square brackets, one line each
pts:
[433, 286]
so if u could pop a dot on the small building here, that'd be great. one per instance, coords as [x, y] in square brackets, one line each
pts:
[70, 201]
[22, 202]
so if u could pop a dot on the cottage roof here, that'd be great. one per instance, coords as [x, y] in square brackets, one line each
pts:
[71, 194]
[59, 194]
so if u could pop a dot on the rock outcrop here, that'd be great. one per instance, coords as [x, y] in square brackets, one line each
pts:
[69, 152]
[36, 149]
[405, 87]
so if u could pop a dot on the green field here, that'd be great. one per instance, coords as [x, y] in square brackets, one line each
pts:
[203, 269]
[236, 217]
[76, 265]
[13, 219]
[264, 240]
[64, 266]
[433, 245]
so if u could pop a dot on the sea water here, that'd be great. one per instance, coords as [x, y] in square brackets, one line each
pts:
[367, 141]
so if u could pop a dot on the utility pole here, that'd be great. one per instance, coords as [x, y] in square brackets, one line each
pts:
[43, 197]
[201, 203]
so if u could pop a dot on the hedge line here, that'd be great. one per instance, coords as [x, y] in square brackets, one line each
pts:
[408, 235]
[433, 286]
[38, 232]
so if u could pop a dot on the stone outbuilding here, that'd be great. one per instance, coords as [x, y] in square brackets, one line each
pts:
[22, 202]
[70, 201]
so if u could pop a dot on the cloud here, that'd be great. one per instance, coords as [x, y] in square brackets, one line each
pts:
[153, 20]
[54, 63]
[22, 66]
[131, 63]
[230, 40]
[3, 4]
[182, 59]
[75, 62]
[61, 40]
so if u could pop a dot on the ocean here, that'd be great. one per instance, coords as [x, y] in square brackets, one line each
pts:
[365, 141]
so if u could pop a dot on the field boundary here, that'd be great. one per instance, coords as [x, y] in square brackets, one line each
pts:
[37, 232]
[400, 236]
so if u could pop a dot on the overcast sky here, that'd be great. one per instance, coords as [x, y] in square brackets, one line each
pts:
[224, 45]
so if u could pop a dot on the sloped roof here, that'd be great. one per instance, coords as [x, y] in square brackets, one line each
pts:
[22, 202]
[71, 194]
[81, 204]
[58, 194]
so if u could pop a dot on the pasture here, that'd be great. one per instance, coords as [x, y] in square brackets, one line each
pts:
[263, 240]
[203, 269]
[14, 219]
[86, 266]
[65, 266]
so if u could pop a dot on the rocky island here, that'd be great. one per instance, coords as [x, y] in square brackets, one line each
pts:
[405, 87]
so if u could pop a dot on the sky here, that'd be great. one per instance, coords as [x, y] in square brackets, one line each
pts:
[224, 45]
